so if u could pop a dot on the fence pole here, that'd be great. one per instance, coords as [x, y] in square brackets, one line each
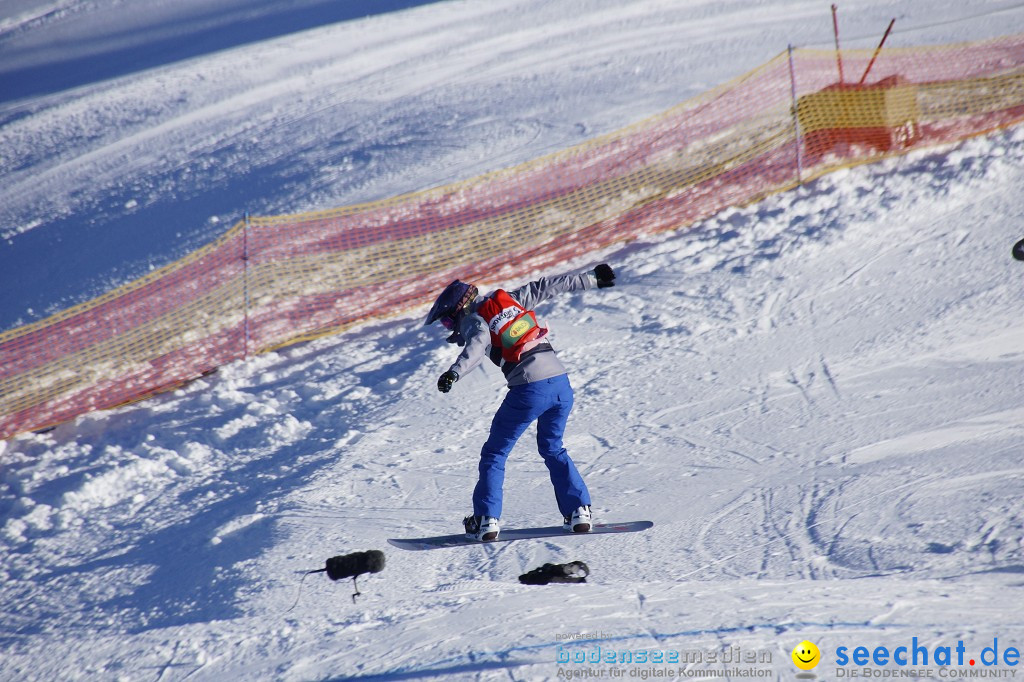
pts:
[835, 32]
[796, 120]
[245, 283]
[877, 50]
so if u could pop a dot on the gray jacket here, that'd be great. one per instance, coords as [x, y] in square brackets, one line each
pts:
[539, 365]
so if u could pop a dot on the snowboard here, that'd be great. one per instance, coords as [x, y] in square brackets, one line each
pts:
[508, 534]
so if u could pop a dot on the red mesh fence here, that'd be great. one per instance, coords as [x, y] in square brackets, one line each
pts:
[272, 281]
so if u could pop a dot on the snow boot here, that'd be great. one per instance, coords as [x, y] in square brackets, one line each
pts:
[482, 528]
[579, 522]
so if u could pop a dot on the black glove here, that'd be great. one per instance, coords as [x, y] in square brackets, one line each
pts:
[605, 276]
[444, 383]
[572, 572]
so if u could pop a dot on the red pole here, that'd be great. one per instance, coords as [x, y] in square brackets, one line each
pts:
[835, 31]
[877, 50]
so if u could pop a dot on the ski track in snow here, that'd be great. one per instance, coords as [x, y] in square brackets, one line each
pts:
[816, 399]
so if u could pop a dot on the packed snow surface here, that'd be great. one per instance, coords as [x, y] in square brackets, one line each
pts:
[817, 399]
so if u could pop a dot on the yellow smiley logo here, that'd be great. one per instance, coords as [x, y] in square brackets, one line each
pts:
[519, 328]
[806, 655]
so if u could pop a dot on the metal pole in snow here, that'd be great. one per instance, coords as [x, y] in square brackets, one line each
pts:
[796, 119]
[877, 50]
[835, 32]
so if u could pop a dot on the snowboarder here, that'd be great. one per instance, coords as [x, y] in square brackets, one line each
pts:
[503, 327]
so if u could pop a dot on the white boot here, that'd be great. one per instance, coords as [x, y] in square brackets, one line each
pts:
[481, 528]
[579, 522]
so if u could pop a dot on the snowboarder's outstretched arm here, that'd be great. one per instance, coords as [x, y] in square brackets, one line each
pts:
[474, 328]
[538, 291]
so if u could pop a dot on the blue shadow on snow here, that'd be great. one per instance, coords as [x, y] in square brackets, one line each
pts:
[224, 32]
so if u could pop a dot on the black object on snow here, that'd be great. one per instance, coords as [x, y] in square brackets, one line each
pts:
[357, 563]
[346, 566]
[1018, 250]
[353, 565]
[572, 572]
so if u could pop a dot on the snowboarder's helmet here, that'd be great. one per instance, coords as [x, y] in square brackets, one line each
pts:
[448, 306]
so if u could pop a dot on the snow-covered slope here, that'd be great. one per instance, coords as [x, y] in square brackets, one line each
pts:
[133, 132]
[816, 399]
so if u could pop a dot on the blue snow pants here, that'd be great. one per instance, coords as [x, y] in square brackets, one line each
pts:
[548, 402]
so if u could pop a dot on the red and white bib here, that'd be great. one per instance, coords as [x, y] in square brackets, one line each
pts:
[513, 328]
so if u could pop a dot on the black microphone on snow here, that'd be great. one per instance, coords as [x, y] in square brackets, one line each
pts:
[357, 563]
[353, 565]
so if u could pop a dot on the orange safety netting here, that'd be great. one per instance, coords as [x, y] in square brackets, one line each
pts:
[271, 281]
